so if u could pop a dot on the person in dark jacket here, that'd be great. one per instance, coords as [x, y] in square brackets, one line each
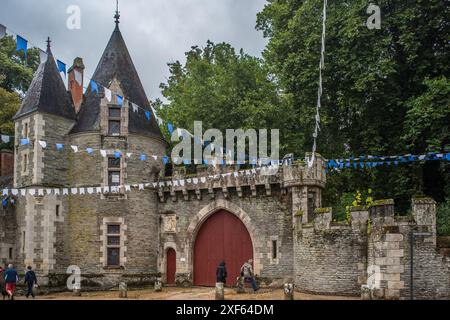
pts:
[11, 278]
[221, 273]
[30, 281]
[2, 283]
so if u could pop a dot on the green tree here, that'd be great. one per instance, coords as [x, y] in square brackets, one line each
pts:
[224, 89]
[16, 73]
[370, 80]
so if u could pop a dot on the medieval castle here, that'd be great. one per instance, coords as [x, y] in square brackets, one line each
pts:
[181, 233]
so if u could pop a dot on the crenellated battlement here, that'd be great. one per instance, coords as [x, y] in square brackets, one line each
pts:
[214, 179]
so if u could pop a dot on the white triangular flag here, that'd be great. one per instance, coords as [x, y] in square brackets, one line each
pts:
[182, 182]
[135, 107]
[23, 192]
[43, 144]
[175, 183]
[195, 180]
[155, 185]
[74, 148]
[90, 190]
[155, 157]
[32, 192]
[82, 191]
[74, 191]
[14, 192]
[2, 31]
[106, 189]
[129, 155]
[5, 138]
[189, 180]
[203, 179]
[127, 188]
[57, 192]
[43, 56]
[141, 186]
[108, 94]
[78, 77]
[103, 153]
[41, 192]
[65, 192]
[5, 192]
[98, 190]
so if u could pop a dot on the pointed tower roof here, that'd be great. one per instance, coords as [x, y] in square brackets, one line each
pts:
[116, 63]
[47, 92]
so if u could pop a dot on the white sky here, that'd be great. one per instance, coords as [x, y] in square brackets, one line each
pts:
[156, 31]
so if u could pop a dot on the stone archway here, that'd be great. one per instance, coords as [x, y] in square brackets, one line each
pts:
[209, 210]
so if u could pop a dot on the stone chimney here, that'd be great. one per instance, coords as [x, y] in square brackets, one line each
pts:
[6, 163]
[75, 83]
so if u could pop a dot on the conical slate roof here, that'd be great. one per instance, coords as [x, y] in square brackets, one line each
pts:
[116, 63]
[47, 92]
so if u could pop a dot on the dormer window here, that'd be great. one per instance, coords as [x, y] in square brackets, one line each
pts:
[114, 121]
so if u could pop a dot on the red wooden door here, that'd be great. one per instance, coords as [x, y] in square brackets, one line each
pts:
[171, 265]
[223, 237]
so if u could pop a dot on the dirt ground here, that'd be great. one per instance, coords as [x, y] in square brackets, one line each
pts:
[185, 294]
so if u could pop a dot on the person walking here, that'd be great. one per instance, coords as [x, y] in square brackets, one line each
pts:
[11, 279]
[247, 273]
[221, 273]
[30, 281]
[2, 283]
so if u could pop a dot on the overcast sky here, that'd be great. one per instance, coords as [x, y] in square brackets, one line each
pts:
[156, 31]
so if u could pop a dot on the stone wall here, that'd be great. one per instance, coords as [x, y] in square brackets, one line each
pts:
[330, 257]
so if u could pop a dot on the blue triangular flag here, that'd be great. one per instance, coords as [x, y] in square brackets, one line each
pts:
[59, 146]
[61, 66]
[165, 160]
[117, 154]
[148, 115]
[447, 156]
[24, 142]
[205, 161]
[170, 127]
[94, 87]
[143, 157]
[396, 163]
[22, 44]
[5, 203]
[89, 150]
[119, 100]
[186, 162]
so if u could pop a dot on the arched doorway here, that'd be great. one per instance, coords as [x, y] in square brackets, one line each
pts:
[171, 265]
[222, 237]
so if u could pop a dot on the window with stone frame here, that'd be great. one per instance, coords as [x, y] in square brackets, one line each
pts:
[24, 163]
[113, 245]
[114, 120]
[114, 171]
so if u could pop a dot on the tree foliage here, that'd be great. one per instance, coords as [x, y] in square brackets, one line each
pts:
[375, 85]
[223, 89]
[16, 73]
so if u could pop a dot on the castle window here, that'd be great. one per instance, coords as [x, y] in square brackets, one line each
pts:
[274, 249]
[10, 253]
[25, 130]
[113, 245]
[57, 210]
[114, 121]
[113, 172]
[23, 241]
[24, 163]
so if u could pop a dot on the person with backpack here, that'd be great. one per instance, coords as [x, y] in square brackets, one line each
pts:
[11, 279]
[221, 273]
[30, 281]
[247, 273]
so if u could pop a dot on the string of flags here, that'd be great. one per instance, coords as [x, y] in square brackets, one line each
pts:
[369, 162]
[10, 195]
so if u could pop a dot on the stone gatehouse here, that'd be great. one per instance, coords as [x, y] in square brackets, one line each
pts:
[181, 232]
